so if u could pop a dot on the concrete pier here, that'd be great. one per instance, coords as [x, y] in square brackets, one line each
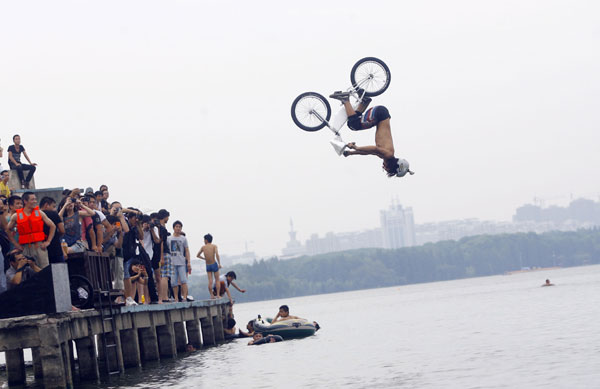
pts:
[141, 333]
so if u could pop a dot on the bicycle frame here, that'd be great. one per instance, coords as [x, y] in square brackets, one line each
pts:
[341, 117]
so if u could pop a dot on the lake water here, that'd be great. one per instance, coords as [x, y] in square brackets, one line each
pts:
[492, 332]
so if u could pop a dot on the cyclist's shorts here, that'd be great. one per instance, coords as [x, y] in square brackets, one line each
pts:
[369, 119]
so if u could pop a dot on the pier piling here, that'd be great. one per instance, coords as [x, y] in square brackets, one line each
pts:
[140, 333]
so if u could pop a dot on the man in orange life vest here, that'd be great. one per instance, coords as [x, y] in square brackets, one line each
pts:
[30, 222]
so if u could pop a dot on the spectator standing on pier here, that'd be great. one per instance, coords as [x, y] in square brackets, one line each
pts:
[76, 219]
[131, 239]
[5, 244]
[4, 240]
[30, 222]
[104, 205]
[166, 269]
[180, 260]
[213, 264]
[14, 203]
[98, 196]
[156, 253]
[101, 226]
[4, 189]
[55, 253]
[151, 239]
[14, 161]
[117, 219]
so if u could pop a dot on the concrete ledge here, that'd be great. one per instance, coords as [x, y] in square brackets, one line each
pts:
[172, 306]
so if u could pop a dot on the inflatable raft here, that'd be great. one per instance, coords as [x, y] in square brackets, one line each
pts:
[287, 329]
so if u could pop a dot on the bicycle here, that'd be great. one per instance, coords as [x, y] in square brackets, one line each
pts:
[311, 112]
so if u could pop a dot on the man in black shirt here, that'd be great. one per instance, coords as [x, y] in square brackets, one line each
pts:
[14, 161]
[55, 253]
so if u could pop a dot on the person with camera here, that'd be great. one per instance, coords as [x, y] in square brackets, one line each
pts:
[120, 227]
[151, 240]
[139, 281]
[77, 221]
[101, 226]
[131, 239]
[21, 268]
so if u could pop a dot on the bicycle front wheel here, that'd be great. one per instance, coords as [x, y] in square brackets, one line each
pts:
[372, 75]
[311, 111]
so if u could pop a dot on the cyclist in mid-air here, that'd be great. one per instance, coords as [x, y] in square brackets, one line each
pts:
[376, 116]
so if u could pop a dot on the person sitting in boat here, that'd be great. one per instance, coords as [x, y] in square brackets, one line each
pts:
[548, 283]
[283, 314]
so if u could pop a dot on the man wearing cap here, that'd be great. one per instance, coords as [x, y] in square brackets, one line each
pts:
[30, 222]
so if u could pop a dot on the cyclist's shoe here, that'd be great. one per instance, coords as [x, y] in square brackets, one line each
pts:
[341, 96]
[365, 99]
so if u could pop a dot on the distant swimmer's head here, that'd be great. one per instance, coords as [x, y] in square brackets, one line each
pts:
[396, 167]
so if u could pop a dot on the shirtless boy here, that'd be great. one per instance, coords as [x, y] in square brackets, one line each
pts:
[211, 252]
[384, 146]
[283, 314]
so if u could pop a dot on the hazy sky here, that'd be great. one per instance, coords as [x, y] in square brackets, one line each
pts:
[185, 105]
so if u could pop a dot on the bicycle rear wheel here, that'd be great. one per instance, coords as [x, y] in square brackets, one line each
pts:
[311, 111]
[372, 75]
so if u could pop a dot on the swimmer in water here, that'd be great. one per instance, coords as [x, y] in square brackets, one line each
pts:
[548, 283]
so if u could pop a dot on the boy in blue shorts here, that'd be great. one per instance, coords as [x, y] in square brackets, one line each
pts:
[211, 252]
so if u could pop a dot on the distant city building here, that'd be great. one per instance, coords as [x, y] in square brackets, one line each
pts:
[397, 227]
[343, 241]
[294, 247]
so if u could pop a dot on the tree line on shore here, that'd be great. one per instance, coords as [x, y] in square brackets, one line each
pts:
[474, 256]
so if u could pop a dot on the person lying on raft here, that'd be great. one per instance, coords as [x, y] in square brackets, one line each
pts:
[259, 339]
[283, 314]
[384, 145]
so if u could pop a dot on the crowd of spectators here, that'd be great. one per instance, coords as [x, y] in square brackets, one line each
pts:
[148, 264]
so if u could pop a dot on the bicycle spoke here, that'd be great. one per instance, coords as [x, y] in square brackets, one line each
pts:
[306, 108]
[370, 76]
